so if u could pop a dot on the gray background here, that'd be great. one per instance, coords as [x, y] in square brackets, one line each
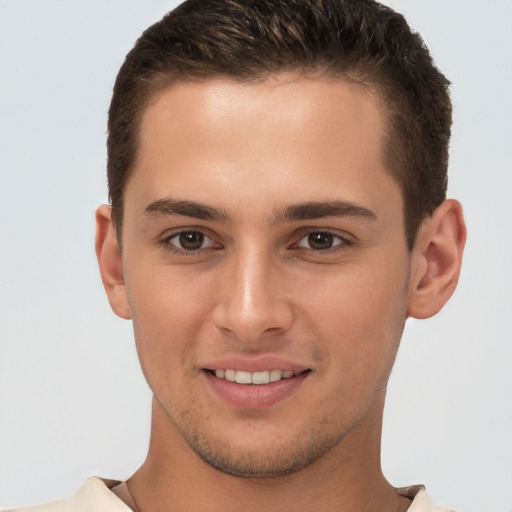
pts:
[73, 401]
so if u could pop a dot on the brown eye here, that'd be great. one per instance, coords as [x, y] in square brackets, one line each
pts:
[191, 241]
[321, 241]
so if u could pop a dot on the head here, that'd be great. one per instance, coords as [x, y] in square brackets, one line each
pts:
[277, 171]
[360, 41]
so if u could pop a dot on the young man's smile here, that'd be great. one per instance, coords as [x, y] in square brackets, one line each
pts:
[255, 390]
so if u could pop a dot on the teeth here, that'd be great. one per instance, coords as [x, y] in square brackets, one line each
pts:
[275, 375]
[243, 377]
[260, 378]
[257, 378]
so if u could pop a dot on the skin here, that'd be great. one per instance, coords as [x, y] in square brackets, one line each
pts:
[257, 284]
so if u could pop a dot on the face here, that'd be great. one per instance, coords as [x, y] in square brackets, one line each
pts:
[266, 267]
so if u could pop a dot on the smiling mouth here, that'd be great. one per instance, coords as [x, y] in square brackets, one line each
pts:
[256, 378]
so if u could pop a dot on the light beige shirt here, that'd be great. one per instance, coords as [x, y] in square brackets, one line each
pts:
[95, 495]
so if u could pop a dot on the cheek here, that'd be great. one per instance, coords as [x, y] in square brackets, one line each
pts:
[167, 297]
[167, 309]
[359, 318]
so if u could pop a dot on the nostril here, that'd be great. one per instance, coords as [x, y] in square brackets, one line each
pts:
[271, 330]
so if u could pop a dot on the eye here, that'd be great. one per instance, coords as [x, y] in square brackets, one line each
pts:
[321, 241]
[191, 241]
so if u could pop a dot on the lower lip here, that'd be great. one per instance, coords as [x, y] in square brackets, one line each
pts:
[254, 396]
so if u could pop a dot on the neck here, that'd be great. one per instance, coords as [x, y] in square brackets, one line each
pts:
[348, 478]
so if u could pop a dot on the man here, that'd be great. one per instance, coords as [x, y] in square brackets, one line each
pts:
[277, 175]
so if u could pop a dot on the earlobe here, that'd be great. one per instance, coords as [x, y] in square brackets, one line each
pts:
[436, 260]
[110, 262]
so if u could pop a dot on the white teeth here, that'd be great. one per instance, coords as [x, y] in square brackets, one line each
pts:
[243, 377]
[275, 375]
[258, 378]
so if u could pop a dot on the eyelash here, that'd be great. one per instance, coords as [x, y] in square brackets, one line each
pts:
[344, 242]
[168, 245]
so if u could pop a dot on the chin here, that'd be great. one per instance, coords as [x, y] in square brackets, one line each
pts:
[257, 457]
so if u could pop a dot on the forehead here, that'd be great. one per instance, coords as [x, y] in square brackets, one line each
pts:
[223, 105]
[289, 136]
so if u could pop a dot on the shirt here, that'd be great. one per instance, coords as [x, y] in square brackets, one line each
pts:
[96, 495]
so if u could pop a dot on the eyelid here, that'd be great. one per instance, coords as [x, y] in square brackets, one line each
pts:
[165, 240]
[206, 239]
[346, 239]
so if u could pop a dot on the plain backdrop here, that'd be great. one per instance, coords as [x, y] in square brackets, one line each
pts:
[73, 402]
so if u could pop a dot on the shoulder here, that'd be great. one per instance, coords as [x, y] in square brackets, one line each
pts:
[421, 500]
[94, 495]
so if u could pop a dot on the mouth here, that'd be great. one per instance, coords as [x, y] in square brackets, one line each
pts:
[254, 378]
[260, 389]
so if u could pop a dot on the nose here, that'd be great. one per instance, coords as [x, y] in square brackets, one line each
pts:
[252, 302]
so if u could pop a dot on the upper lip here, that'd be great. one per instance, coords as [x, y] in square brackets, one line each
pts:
[257, 364]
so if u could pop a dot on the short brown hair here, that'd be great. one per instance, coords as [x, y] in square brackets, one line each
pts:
[248, 40]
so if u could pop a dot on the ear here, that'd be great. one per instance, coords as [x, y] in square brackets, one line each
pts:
[110, 262]
[436, 260]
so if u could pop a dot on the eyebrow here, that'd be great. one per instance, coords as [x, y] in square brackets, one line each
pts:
[169, 206]
[303, 211]
[321, 209]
